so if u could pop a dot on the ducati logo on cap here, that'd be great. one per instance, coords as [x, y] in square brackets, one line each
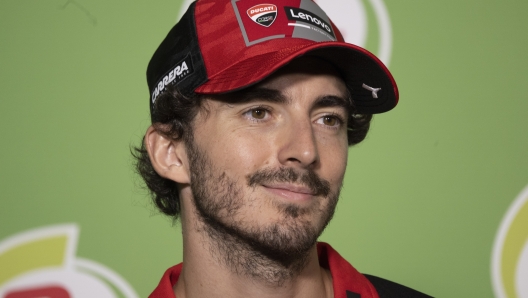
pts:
[263, 14]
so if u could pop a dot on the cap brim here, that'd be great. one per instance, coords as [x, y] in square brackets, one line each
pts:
[361, 70]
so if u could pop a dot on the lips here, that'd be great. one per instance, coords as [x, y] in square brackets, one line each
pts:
[290, 192]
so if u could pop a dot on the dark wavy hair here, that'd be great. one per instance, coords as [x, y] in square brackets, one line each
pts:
[173, 115]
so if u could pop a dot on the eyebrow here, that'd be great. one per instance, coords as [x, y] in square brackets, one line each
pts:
[332, 101]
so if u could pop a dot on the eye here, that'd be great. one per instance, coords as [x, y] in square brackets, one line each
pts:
[258, 114]
[332, 121]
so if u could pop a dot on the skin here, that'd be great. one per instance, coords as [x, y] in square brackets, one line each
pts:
[300, 131]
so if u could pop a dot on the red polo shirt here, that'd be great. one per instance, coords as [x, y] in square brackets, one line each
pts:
[347, 281]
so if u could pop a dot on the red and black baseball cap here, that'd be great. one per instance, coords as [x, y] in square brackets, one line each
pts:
[220, 46]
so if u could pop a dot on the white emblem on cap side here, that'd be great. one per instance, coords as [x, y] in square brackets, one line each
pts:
[374, 90]
[263, 14]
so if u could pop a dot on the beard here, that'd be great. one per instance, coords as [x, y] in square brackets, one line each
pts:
[275, 252]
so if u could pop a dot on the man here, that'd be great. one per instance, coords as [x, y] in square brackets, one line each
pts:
[253, 106]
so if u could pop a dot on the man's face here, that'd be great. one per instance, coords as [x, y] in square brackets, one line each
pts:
[266, 168]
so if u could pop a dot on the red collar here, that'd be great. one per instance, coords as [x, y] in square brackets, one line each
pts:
[347, 280]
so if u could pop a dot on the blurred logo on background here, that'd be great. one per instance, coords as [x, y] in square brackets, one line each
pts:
[509, 264]
[41, 263]
[351, 17]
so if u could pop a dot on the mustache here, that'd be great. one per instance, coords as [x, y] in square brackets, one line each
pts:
[309, 178]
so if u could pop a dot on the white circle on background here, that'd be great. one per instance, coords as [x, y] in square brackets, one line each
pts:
[521, 274]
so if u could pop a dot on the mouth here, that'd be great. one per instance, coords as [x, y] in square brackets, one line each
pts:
[290, 192]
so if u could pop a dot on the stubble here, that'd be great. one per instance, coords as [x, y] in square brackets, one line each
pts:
[274, 253]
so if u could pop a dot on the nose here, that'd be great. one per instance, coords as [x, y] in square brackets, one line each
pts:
[298, 145]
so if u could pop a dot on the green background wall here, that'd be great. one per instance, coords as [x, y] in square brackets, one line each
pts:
[424, 194]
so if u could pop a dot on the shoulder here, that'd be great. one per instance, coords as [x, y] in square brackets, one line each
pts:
[389, 289]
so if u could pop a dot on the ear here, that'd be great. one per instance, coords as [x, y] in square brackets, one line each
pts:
[168, 157]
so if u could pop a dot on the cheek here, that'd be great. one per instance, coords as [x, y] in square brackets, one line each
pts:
[337, 173]
[240, 152]
[334, 162]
